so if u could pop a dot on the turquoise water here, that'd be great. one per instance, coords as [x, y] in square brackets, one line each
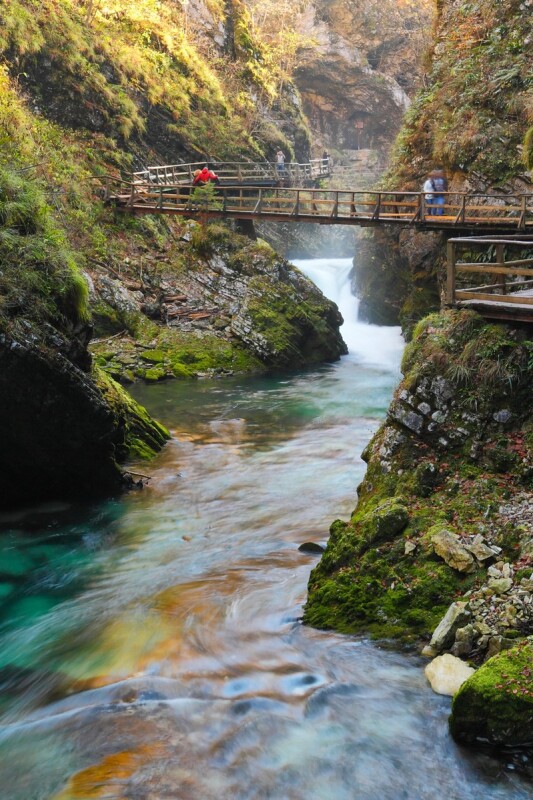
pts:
[152, 647]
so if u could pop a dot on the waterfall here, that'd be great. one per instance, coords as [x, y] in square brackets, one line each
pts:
[371, 345]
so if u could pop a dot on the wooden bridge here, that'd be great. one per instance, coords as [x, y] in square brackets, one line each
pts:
[492, 275]
[243, 173]
[504, 213]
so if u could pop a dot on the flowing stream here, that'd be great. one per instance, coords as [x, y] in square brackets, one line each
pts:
[151, 648]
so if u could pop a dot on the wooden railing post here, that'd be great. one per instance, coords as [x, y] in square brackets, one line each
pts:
[523, 211]
[451, 252]
[335, 210]
[500, 261]
[375, 215]
[132, 195]
[297, 204]
[422, 205]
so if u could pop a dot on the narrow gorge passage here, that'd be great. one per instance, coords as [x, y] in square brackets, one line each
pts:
[152, 646]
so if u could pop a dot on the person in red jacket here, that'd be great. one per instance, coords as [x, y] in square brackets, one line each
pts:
[203, 176]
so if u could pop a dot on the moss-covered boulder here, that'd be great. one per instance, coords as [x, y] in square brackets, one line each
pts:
[495, 705]
[435, 510]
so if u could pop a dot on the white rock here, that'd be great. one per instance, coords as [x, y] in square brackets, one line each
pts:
[446, 674]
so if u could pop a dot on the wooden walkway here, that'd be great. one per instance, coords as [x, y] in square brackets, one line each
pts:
[492, 275]
[243, 173]
[495, 213]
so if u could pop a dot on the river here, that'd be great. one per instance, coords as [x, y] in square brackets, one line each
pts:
[151, 647]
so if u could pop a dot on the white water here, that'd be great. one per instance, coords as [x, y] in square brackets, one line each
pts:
[370, 345]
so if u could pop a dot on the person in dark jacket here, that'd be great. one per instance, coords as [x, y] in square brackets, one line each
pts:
[440, 185]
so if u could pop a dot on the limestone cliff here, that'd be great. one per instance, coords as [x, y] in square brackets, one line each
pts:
[356, 82]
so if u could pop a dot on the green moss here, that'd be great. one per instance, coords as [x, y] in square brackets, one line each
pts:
[154, 356]
[143, 436]
[39, 278]
[154, 374]
[495, 705]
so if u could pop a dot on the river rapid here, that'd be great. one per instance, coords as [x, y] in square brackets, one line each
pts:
[151, 647]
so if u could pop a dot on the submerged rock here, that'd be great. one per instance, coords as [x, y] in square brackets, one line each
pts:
[311, 547]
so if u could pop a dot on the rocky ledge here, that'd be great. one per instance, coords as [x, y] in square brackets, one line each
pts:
[439, 551]
[216, 303]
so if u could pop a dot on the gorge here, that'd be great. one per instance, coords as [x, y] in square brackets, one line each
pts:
[152, 642]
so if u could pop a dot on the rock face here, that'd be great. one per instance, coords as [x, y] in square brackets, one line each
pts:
[238, 307]
[63, 431]
[479, 138]
[446, 674]
[354, 83]
[448, 465]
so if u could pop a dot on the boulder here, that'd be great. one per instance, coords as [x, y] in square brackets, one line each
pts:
[448, 546]
[495, 705]
[446, 674]
[311, 547]
[479, 549]
[382, 523]
[444, 634]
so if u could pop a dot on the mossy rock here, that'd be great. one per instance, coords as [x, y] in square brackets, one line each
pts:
[142, 436]
[495, 705]
[382, 523]
[154, 375]
[154, 356]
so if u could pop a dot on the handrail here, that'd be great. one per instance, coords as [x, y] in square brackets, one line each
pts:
[335, 206]
[169, 174]
[512, 276]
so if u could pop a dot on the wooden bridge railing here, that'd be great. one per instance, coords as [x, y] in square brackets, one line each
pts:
[236, 172]
[490, 270]
[338, 207]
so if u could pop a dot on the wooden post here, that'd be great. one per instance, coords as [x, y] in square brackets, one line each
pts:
[297, 206]
[375, 215]
[132, 195]
[463, 208]
[451, 251]
[160, 197]
[353, 208]
[422, 202]
[335, 210]
[523, 211]
[500, 261]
